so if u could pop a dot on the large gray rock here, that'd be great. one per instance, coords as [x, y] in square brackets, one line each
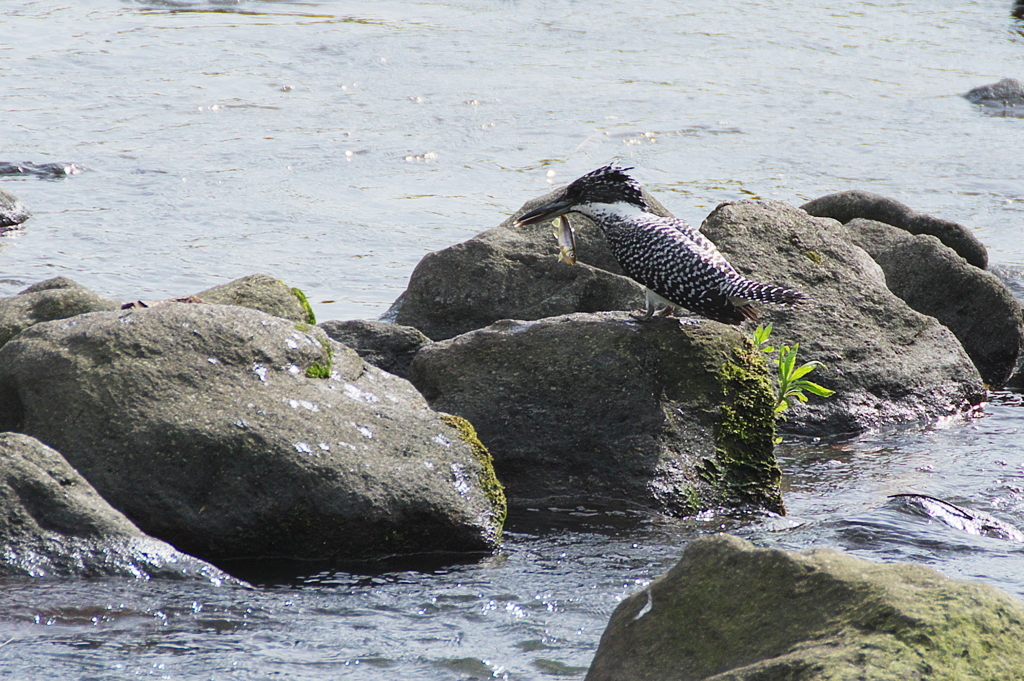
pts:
[887, 363]
[591, 408]
[513, 272]
[53, 523]
[12, 211]
[931, 278]
[731, 612]
[386, 346]
[56, 298]
[848, 205]
[209, 427]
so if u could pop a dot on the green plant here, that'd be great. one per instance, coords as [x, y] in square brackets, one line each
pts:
[791, 381]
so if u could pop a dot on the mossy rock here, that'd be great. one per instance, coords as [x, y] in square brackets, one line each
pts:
[599, 408]
[732, 612]
[265, 293]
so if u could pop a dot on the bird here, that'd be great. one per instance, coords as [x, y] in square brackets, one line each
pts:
[677, 265]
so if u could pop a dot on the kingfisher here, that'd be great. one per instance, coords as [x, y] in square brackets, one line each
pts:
[677, 265]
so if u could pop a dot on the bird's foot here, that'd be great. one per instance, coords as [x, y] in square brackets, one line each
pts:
[642, 317]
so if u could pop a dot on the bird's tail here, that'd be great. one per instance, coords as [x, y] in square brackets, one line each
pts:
[746, 290]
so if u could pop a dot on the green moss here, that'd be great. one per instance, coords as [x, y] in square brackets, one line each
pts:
[813, 256]
[321, 369]
[492, 487]
[304, 302]
[745, 432]
[693, 499]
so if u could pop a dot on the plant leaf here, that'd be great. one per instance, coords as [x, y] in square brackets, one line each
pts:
[816, 389]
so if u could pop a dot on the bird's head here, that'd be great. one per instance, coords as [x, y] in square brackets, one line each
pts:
[607, 186]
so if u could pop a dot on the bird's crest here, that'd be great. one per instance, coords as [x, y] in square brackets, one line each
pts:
[607, 184]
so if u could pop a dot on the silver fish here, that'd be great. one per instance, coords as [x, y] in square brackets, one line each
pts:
[566, 240]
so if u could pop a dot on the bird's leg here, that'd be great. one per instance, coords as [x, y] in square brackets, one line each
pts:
[652, 306]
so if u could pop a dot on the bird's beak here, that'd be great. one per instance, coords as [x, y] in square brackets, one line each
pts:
[549, 211]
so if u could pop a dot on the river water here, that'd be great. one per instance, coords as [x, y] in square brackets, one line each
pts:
[333, 144]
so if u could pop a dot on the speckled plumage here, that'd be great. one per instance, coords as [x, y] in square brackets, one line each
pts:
[677, 264]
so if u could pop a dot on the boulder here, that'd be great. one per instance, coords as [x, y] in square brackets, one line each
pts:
[887, 363]
[386, 346]
[54, 524]
[931, 278]
[1008, 92]
[848, 205]
[56, 298]
[593, 408]
[265, 293]
[513, 272]
[12, 211]
[235, 434]
[732, 612]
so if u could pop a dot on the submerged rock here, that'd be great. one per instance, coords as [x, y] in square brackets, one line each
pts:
[386, 346]
[1005, 98]
[730, 611]
[848, 205]
[601, 408]
[57, 298]
[234, 434]
[931, 278]
[12, 211]
[46, 171]
[887, 363]
[966, 520]
[54, 524]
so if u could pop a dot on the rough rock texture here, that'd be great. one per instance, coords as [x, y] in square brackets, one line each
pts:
[386, 346]
[513, 272]
[210, 427]
[1008, 92]
[56, 298]
[262, 292]
[1013, 277]
[732, 612]
[599, 407]
[931, 278]
[845, 206]
[53, 523]
[12, 211]
[886, 362]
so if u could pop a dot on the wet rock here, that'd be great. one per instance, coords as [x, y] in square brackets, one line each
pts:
[46, 171]
[262, 292]
[56, 298]
[12, 211]
[730, 611]
[513, 272]
[848, 205]
[55, 524]
[235, 434]
[964, 519]
[592, 408]
[386, 346]
[931, 278]
[1005, 98]
[887, 363]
